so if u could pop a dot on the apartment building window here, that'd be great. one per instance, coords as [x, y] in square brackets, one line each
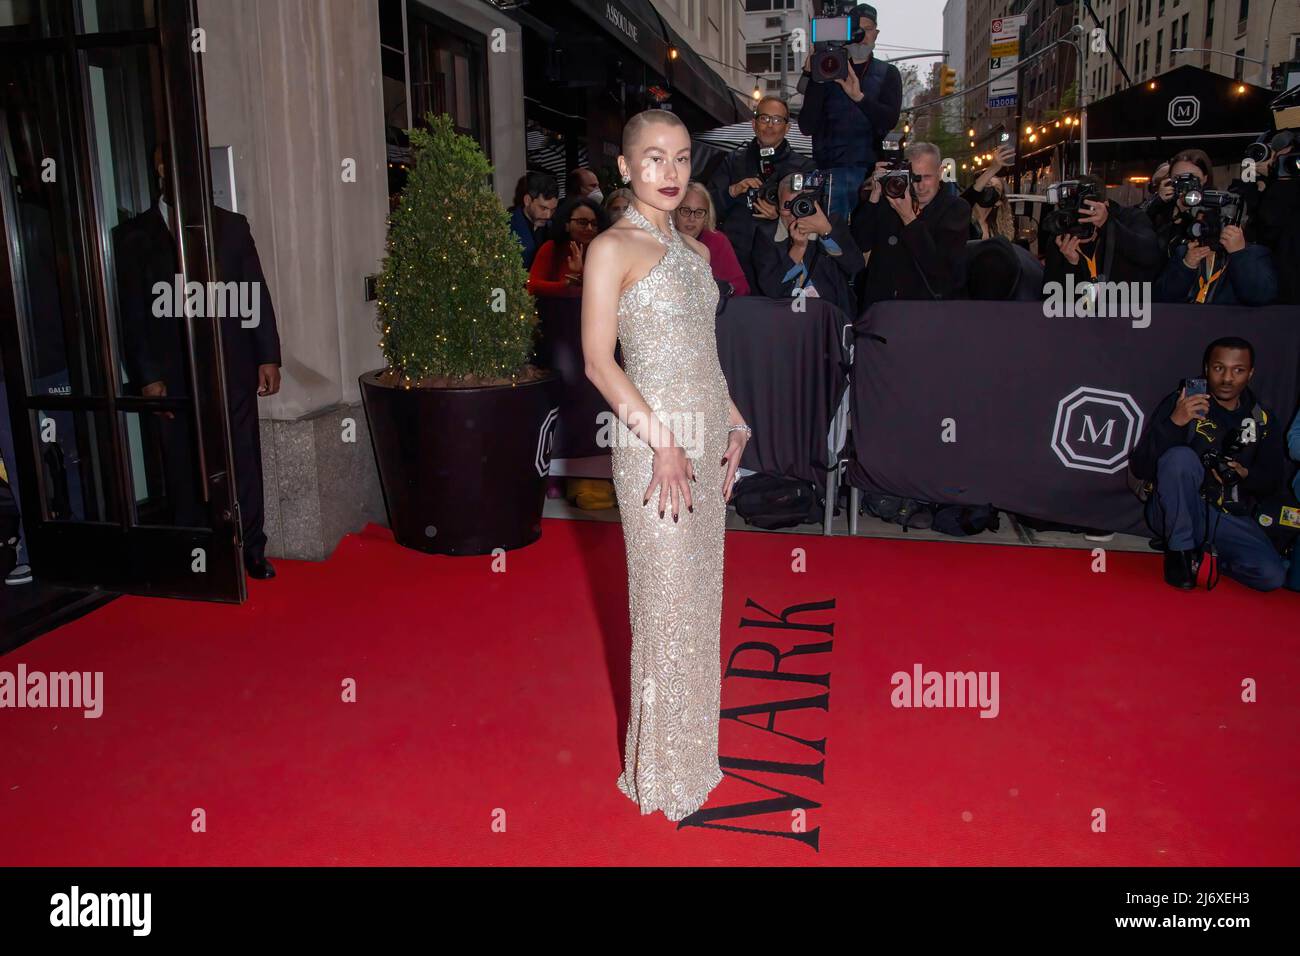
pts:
[1161, 11]
[1243, 11]
[1184, 43]
[1209, 19]
[1238, 65]
[1147, 21]
[1123, 31]
[772, 23]
[1137, 58]
[1146, 51]
[1160, 48]
[764, 58]
[760, 6]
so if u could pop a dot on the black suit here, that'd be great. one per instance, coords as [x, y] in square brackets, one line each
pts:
[918, 261]
[153, 351]
[735, 219]
[831, 275]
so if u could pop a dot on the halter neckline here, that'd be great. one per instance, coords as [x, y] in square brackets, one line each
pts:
[634, 214]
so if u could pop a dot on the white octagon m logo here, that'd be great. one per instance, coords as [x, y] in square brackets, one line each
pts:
[1184, 111]
[545, 435]
[1095, 429]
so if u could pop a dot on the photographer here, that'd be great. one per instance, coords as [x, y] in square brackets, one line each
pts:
[1210, 458]
[1167, 211]
[1227, 271]
[847, 118]
[1276, 209]
[738, 184]
[1159, 202]
[916, 238]
[815, 253]
[1220, 267]
[1120, 246]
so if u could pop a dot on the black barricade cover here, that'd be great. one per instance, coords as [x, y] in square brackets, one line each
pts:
[560, 348]
[1043, 410]
[784, 369]
[786, 373]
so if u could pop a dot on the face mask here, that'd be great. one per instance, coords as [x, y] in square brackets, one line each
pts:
[596, 194]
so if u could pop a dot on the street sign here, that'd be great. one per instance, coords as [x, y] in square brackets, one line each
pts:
[1004, 54]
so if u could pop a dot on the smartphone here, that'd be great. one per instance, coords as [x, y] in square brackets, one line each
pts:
[1003, 136]
[1196, 386]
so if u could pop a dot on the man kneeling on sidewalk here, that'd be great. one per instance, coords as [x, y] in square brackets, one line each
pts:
[1212, 457]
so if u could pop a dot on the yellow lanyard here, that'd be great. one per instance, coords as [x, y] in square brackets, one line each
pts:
[1092, 264]
[1204, 285]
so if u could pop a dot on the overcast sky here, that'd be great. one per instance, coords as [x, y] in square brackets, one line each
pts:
[910, 23]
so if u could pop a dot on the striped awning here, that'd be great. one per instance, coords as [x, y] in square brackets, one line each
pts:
[738, 134]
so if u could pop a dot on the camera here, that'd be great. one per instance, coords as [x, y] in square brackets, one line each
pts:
[1187, 188]
[767, 191]
[831, 36]
[1263, 152]
[810, 189]
[897, 180]
[1067, 199]
[1215, 462]
[1208, 211]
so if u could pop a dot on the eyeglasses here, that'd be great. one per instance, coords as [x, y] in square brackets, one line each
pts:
[583, 223]
[686, 212]
[771, 119]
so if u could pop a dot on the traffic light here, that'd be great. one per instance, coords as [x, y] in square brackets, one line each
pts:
[947, 80]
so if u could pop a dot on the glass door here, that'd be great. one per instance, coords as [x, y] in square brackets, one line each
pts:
[112, 373]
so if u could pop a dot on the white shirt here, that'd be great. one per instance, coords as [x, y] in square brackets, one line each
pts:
[165, 210]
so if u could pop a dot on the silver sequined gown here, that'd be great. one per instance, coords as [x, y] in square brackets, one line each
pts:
[674, 570]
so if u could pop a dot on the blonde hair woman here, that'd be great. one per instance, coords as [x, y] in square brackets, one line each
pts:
[678, 441]
[617, 201]
[696, 218]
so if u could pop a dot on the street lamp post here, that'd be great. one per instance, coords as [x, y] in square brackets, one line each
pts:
[1265, 79]
[1235, 56]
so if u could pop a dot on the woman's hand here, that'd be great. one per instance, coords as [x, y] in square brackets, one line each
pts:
[574, 262]
[736, 442]
[673, 474]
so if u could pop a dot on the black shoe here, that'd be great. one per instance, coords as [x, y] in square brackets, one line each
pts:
[259, 568]
[1180, 569]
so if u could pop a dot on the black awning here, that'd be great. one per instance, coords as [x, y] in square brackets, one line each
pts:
[635, 24]
[700, 83]
[1181, 106]
[638, 26]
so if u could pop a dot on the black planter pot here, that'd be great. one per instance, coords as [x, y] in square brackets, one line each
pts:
[463, 469]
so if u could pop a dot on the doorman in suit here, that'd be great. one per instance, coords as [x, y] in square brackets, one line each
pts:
[153, 351]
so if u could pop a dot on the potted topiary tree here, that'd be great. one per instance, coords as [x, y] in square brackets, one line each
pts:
[460, 421]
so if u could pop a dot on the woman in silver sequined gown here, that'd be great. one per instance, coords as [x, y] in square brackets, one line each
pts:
[665, 325]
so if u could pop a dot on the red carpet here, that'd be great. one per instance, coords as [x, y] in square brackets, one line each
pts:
[487, 697]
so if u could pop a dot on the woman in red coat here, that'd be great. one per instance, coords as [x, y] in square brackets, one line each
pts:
[557, 269]
[695, 218]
